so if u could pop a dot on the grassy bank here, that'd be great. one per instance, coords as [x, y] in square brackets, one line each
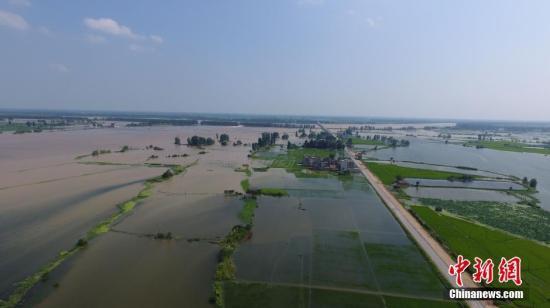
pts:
[387, 173]
[102, 227]
[247, 212]
[245, 185]
[509, 146]
[472, 240]
[225, 270]
[362, 141]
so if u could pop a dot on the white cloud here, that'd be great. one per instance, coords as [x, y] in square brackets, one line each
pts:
[156, 39]
[12, 20]
[58, 67]
[20, 3]
[110, 26]
[95, 39]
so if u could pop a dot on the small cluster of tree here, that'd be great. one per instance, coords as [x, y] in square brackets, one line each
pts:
[291, 146]
[267, 139]
[198, 141]
[324, 140]
[154, 147]
[531, 183]
[177, 155]
[224, 139]
[391, 141]
[285, 136]
[167, 174]
[99, 152]
[163, 236]
[177, 141]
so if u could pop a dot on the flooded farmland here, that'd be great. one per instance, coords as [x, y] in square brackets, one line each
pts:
[326, 236]
[72, 191]
[510, 163]
[329, 232]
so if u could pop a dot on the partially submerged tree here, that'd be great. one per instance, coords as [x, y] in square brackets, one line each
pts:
[224, 139]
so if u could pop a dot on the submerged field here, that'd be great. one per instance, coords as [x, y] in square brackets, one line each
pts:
[80, 218]
[330, 242]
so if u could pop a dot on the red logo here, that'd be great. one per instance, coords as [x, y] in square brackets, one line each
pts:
[484, 270]
[457, 269]
[508, 270]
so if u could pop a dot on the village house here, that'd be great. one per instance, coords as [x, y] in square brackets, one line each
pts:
[332, 164]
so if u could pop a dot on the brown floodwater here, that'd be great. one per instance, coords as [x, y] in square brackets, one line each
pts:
[125, 267]
[49, 199]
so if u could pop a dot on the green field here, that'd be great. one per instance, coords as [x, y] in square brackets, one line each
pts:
[523, 220]
[245, 294]
[472, 240]
[387, 173]
[358, 140]
[508, 146]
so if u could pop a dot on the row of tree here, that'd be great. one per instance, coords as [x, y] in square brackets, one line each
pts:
[323, 140]
[199, 141]
[267, 139]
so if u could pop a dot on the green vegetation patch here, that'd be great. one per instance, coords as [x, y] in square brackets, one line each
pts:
[363, 141]
[245, 184]
[509, 146]
[403, 269]
[387, 173]
[527, 221]
[247, 212]
[472, 240]
[339, 259]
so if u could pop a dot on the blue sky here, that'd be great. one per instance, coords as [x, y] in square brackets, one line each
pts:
[460, 59]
